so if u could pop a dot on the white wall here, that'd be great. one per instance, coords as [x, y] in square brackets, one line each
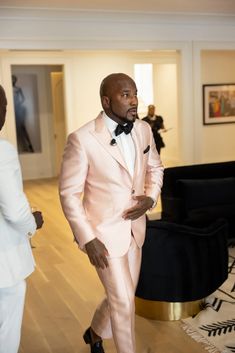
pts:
[86, 69]
[76, 35]
[166, 102]
[25, 28]
[215, 142]
[89, 68]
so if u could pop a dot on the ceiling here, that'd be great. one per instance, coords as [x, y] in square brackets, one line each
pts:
[172, 6]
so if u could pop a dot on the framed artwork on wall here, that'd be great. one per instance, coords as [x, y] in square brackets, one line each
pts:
[218, 103]
[26, 107]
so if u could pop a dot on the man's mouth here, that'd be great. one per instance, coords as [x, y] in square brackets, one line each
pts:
[133, 111]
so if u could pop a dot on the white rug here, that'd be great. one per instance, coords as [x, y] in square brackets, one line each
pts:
[214, 326]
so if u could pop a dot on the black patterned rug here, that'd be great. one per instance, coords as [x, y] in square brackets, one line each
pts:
[214, 326]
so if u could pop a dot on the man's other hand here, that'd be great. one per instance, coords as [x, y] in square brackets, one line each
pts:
[38, 219]
[144, 203]
[97, 253]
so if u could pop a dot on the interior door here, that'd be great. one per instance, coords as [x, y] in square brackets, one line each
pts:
[57, 87]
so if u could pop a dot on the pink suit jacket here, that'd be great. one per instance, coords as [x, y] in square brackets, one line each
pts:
[96, 187]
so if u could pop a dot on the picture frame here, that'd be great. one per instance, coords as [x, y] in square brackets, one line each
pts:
[218, 103]
[26, 109]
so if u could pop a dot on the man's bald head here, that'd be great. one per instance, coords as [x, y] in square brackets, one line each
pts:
[3, 106]
[111, 81]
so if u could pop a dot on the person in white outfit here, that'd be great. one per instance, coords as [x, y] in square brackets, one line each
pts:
[17, 225]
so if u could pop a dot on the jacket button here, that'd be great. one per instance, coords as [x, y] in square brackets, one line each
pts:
[133, 191]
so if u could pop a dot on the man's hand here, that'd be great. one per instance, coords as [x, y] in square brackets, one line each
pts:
[144, 203]
[38, 219]
[97, 253]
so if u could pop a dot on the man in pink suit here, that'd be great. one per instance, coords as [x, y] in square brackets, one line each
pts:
[111, 175]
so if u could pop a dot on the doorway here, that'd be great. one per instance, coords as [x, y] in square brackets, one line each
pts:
[38, 93]
[57, 89]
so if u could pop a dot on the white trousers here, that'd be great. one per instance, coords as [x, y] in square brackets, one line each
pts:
[116, 314]
[11, 314]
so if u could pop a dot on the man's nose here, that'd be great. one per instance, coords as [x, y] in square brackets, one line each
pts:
[134, 100]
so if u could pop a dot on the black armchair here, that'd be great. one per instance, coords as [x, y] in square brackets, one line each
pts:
[181, 263]
[198, 194]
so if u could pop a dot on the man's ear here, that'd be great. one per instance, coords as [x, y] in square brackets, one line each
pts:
[105, 102]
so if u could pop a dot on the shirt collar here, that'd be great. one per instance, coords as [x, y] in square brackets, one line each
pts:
[109, 123]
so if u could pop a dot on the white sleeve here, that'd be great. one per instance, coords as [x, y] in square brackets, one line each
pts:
[14, 206]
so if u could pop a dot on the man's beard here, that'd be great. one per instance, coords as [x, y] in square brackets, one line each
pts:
[123, 119]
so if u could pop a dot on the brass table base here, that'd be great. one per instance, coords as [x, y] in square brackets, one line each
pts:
[166, 311]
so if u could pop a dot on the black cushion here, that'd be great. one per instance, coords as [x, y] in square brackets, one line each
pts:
[207, 192]
[203, 216]
[197, 171]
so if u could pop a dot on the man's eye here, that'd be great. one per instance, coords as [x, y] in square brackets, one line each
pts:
[125, 95]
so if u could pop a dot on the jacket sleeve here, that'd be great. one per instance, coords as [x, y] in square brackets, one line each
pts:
[71, 186]
[14, 206]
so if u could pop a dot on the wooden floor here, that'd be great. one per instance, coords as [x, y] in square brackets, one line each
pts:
[64, 291]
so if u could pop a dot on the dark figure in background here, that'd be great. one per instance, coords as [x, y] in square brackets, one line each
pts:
[23, 139]
[156, 122]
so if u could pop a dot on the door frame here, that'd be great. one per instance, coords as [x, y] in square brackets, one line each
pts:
[11, 59]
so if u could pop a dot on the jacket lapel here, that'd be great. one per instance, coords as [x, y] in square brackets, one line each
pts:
[138, 151]
[103, 136]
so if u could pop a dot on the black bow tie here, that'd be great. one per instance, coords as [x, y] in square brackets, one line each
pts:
[124, 128]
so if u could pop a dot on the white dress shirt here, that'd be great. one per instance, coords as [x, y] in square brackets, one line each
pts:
[126, 145]
[124, 142]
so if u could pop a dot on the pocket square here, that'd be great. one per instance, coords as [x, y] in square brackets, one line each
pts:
[147, 149]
